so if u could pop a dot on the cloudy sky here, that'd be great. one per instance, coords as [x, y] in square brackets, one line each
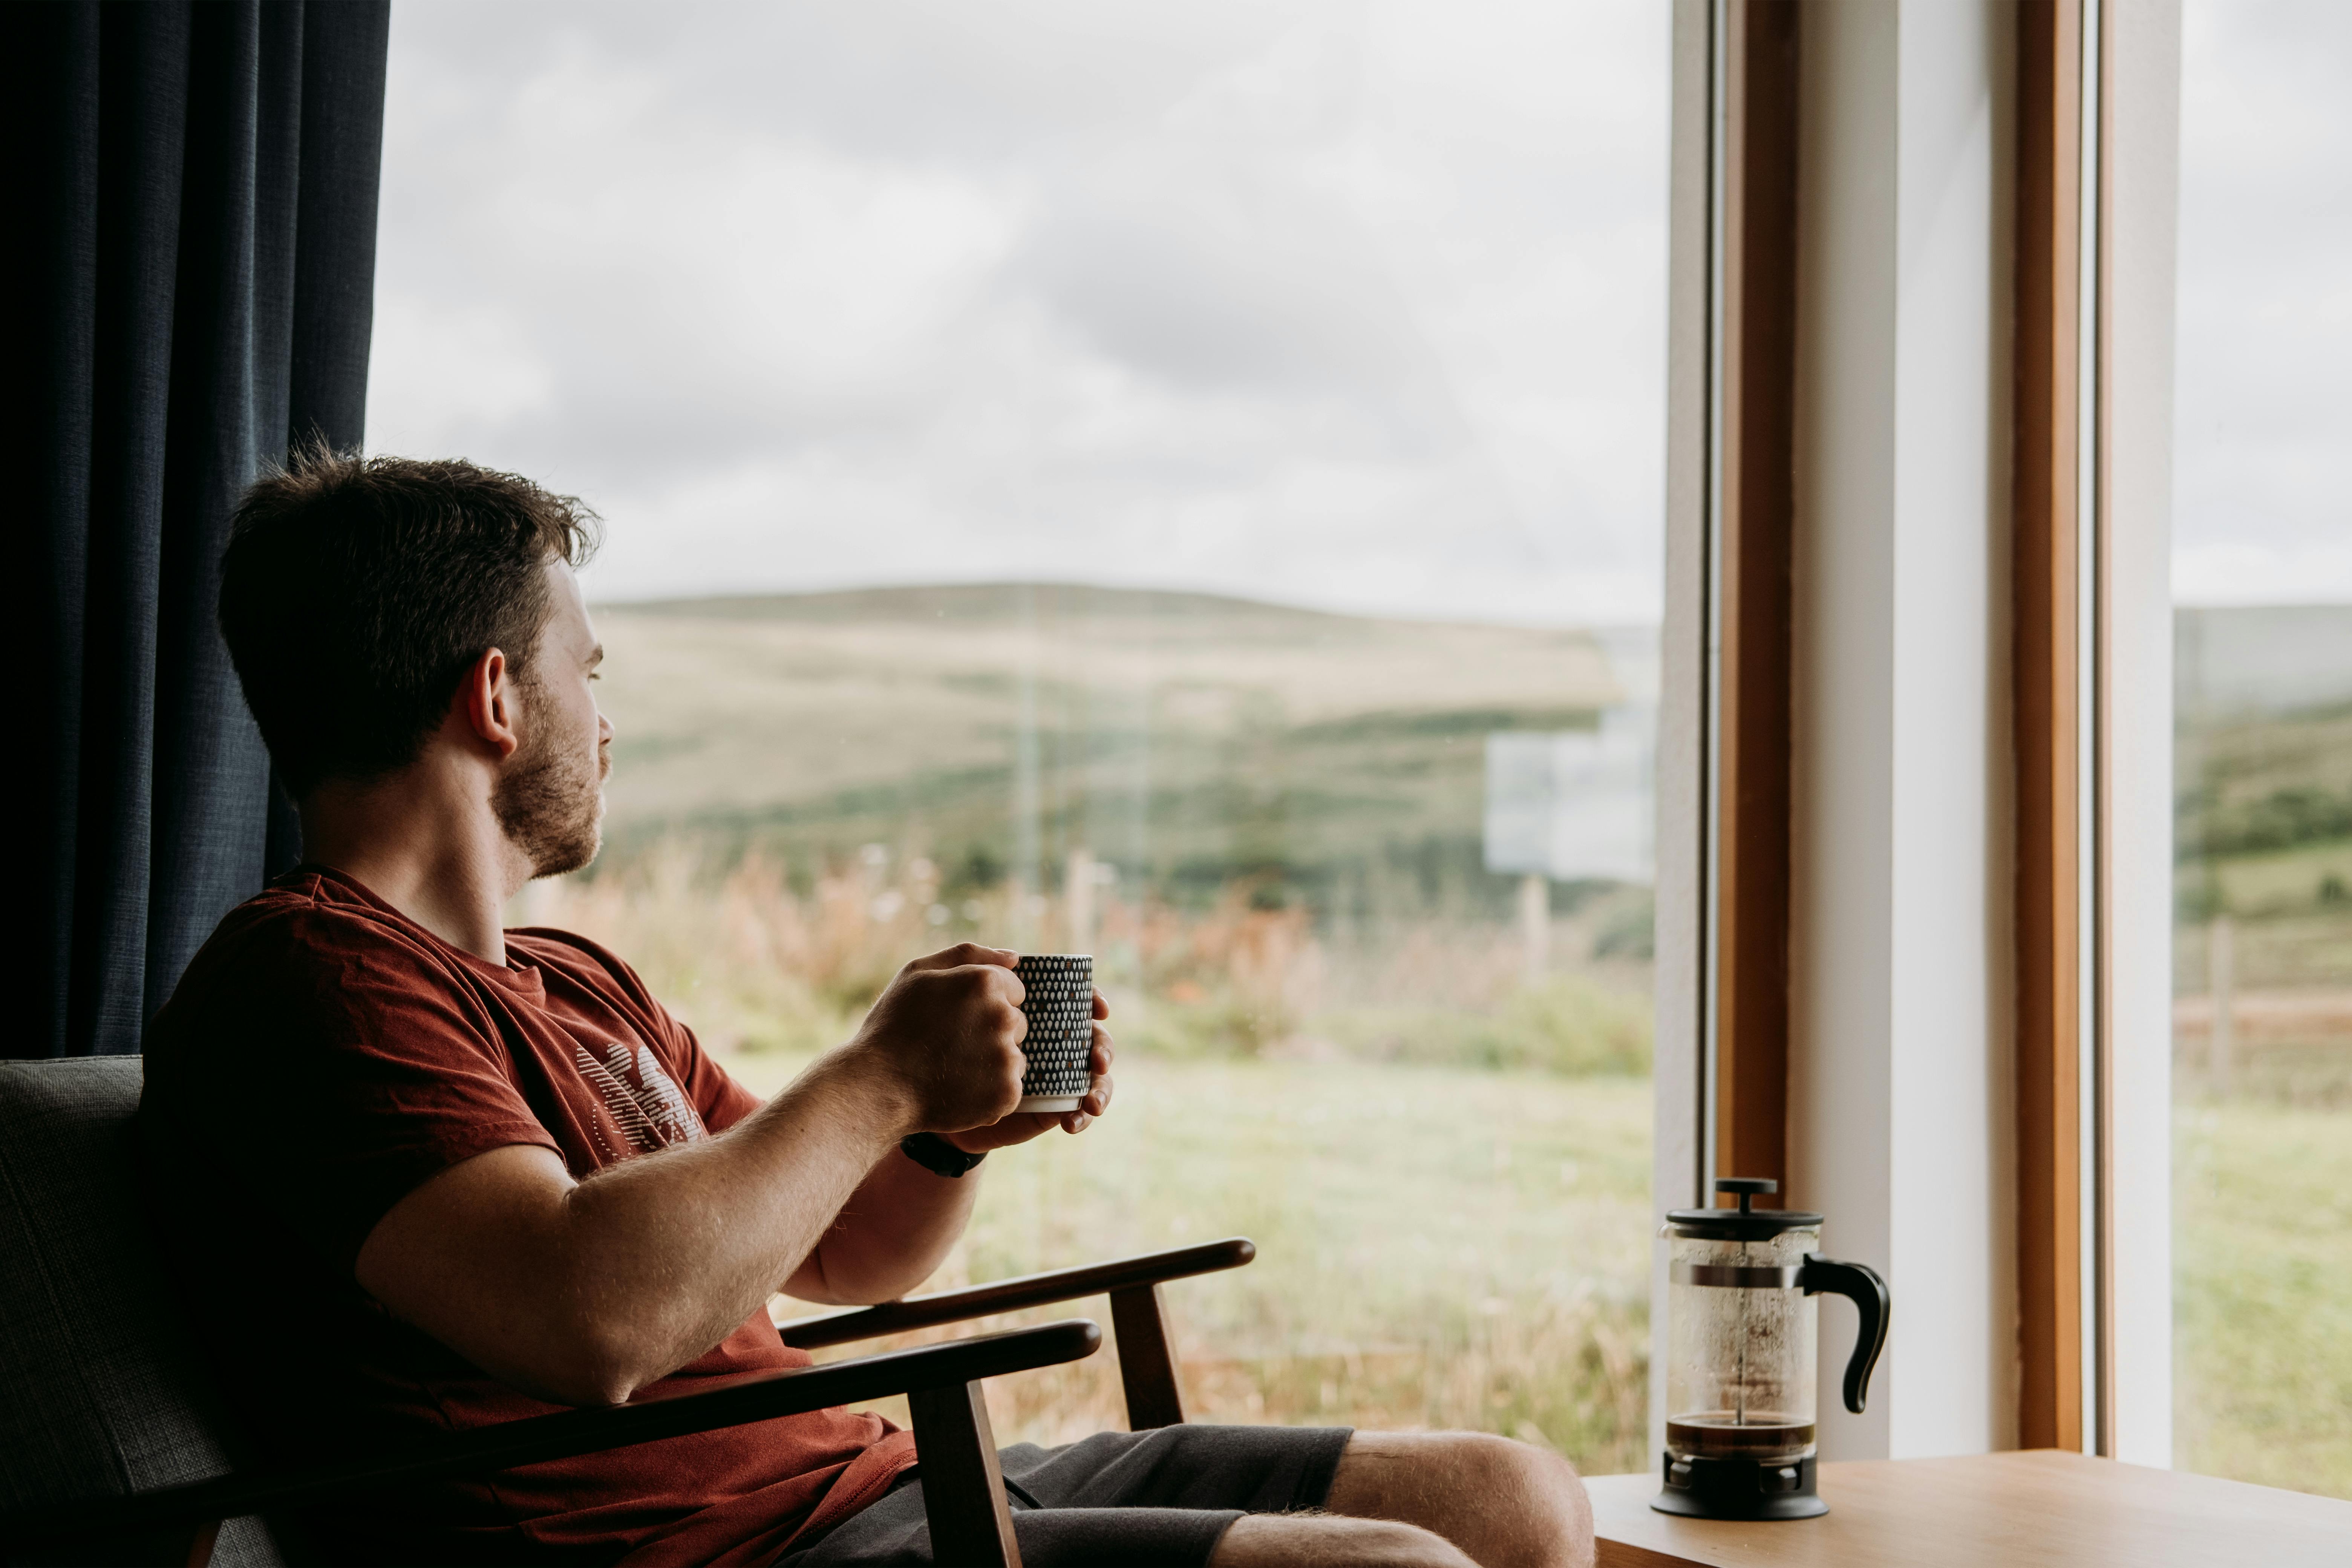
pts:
[2263, 467]
[1355, 303]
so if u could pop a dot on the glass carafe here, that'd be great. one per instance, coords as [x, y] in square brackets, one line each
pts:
[1742, 1327]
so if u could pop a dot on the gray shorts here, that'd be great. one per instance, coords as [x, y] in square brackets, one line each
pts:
[1144, 1498]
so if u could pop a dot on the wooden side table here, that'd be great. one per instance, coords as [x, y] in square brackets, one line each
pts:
[1991, 1511]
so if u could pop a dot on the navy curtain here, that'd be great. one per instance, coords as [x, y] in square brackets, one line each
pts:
[191, 200]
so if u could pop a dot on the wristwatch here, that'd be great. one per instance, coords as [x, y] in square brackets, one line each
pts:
[936, 1155]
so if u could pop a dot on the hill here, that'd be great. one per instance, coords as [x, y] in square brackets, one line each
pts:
[1187, 740]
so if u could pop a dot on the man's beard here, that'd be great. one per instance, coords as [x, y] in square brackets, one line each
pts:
[550, 802]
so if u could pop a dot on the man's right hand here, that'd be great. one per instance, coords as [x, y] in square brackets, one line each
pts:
[946, 1036]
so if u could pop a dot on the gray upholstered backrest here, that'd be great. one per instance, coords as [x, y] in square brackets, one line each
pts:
[102, 1392]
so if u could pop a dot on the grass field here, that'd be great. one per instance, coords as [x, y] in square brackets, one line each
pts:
[1462, 1248]
[2262, 1136]
[1437, 1248]
[1265, 824]
[2263, 1293]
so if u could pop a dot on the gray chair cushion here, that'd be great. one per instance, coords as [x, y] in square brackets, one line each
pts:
[102, 1391]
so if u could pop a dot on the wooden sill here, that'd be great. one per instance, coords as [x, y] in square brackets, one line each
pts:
[1991, 1511]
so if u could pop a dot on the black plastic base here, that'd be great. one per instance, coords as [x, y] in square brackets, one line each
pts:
[1738, 1488]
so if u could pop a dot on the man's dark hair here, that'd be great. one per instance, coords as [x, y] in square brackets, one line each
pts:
[356, 592]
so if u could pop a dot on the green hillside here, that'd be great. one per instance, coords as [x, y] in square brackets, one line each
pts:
[2262, 804]
[1188, 741]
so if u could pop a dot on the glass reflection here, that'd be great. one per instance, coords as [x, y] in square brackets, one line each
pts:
[2263, 959]
[1178, 482]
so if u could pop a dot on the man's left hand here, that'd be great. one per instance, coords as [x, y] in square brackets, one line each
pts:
[1023, 1125]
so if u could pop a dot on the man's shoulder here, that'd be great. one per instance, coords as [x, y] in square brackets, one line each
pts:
[302, 921]
[295, 951]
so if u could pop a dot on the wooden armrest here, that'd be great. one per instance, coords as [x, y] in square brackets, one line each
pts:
[759, 1396]
[1011, 1295]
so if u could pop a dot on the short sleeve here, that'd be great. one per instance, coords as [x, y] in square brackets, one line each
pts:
[335, 1069]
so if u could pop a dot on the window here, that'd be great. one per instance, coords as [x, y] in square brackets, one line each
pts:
[1183, 483]
[2263, 583]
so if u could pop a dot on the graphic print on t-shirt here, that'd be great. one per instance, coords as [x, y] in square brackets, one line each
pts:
[640, 1095]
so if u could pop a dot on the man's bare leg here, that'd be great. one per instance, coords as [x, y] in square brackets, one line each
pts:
[1429, 1500]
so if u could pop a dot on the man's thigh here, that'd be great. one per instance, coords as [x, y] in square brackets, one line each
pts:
[1502, 1503]
[1162, 1497]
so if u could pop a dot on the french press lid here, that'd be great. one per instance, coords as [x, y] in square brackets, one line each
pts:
[1742, 1224]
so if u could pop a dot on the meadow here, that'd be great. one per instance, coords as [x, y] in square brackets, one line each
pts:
[2262, 1251]
[1465, 1243]
[1449, 1190]
[1266, 824]
[1437, 1248]
[2263, 1115]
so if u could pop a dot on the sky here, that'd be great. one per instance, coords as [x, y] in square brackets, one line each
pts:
[1350, 303]
[2262, 398]
[1358, 305]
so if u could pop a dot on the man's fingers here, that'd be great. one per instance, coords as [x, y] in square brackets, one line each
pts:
[1102, 1005]
[1098, 1098]
[1005, 981]
[962, 954]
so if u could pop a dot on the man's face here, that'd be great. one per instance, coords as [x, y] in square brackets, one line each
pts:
[550, 797]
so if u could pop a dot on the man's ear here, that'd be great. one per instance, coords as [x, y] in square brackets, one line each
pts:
[485, 704]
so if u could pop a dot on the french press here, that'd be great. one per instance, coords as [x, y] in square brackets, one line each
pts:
[1740, 1438]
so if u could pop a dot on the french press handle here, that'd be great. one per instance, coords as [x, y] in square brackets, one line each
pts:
[1859, 1283]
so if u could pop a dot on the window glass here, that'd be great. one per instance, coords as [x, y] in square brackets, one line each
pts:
[1178, 482]
[2262, 583]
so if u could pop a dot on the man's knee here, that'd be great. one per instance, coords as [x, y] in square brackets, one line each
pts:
[1547, 1497]
[1522, 1467]
[1551, 1503]
[1508, 1503]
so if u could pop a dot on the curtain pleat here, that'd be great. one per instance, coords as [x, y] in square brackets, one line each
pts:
[192, 191]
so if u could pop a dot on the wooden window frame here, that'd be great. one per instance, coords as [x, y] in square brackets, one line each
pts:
[2058, 593]
[1752, 587]
[2060, 703]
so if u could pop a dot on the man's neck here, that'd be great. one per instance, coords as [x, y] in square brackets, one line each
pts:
[425, 841]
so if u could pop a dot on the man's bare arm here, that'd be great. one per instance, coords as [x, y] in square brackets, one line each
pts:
[585, 1291]
[900, 1224]
[887, 1236]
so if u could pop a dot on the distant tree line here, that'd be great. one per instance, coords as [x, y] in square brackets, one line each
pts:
[2206, 826]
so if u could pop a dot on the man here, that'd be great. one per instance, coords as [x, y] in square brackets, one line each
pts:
[422, 1173]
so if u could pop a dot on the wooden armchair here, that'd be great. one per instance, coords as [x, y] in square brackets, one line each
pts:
[109, 1449]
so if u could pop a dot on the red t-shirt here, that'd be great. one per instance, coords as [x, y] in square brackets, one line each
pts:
[321, 1057]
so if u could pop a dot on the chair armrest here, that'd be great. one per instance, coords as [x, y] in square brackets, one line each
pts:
[1011, 1295]
[759, 1396]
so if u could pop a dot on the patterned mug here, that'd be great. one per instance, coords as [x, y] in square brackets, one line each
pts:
[1060, 1005]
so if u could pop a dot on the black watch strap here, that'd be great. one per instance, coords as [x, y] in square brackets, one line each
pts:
[936, 1155]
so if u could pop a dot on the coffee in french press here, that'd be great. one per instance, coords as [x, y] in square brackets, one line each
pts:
[1742, 1325]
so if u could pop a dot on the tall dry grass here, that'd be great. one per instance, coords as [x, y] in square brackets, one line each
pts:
[756, 965]
[1445, 1167]
[1437, 1248]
